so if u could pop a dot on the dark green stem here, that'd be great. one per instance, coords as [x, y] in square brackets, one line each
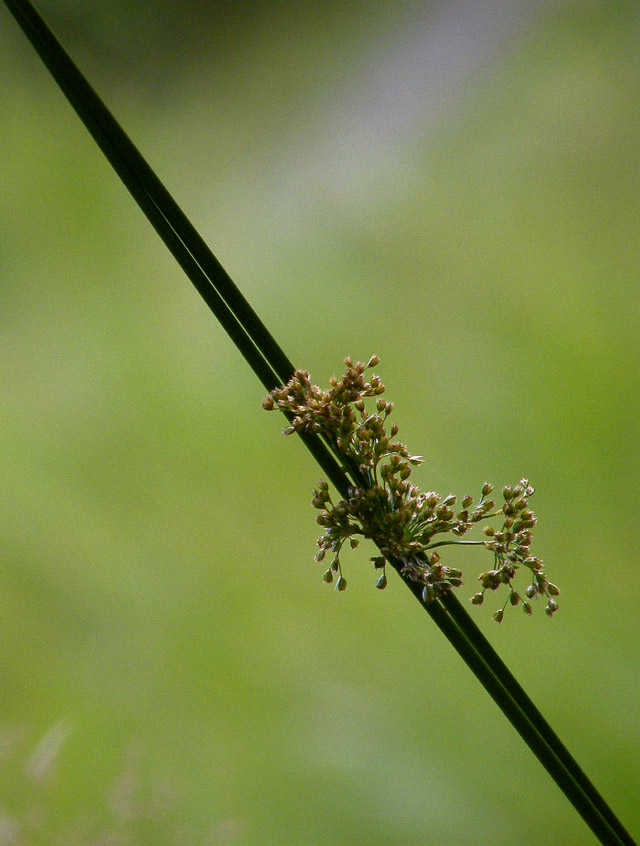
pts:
[271, 365]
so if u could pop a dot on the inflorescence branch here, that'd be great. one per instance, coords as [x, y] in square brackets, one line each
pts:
[405, 523]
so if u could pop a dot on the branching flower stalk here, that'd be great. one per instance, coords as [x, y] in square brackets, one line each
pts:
[404, 522]
[272, 367]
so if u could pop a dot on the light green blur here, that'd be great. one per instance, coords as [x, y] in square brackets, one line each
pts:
[452, 188]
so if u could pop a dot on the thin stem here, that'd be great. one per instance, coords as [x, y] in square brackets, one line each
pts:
[271, 365]
[518, 694]
[255, 343]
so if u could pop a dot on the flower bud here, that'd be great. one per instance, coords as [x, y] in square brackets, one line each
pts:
[382, 582]
[487, 488]
[498, 615]
[341, 583]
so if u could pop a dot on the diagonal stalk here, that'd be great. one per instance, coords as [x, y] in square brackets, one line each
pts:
[271, 365]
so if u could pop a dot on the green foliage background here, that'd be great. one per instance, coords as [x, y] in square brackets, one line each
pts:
[454, 186]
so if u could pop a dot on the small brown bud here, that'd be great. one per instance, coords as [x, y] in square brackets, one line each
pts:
[382, 582]
[498, 615]
[341, 584]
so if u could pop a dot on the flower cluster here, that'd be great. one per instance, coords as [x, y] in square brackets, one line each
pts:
[385, 507]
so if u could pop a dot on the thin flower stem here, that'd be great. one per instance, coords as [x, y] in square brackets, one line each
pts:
[517, 693]
[147, 189]
[271, 365]
[605, 826]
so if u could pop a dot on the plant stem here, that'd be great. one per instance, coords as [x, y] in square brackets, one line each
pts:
[271, 365]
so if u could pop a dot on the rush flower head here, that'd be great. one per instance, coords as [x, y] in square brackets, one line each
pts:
[406, 524]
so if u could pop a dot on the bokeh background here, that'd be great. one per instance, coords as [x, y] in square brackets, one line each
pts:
[451, 185]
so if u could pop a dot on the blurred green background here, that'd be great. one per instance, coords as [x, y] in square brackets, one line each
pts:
[454, 186]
